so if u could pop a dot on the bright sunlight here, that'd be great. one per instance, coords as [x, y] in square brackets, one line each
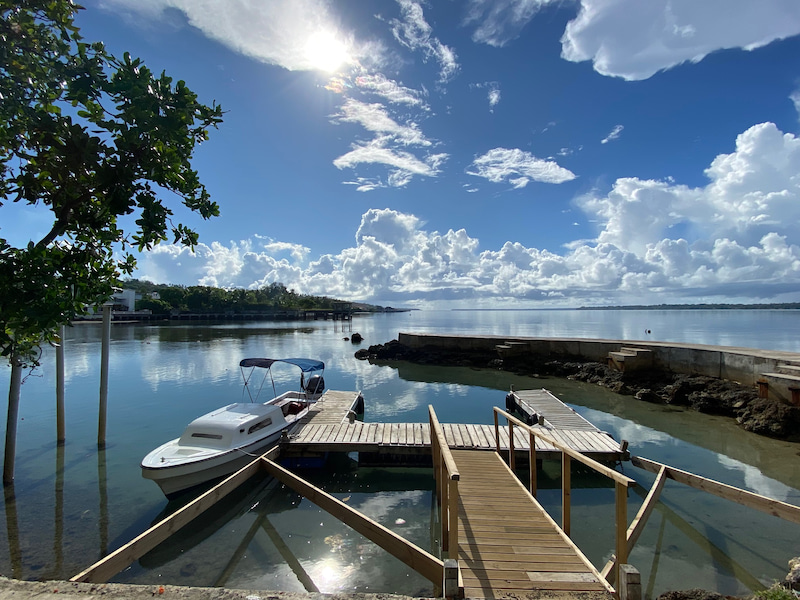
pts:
[325, 52]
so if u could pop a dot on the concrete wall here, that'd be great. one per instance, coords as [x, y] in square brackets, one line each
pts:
[744, 365]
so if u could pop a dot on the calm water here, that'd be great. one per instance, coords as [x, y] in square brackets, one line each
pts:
[69, 507]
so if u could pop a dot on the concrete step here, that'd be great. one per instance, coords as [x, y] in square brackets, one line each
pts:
[622, 355]
[780, 386]
[635, 350]
[788, 369]
[783, 377]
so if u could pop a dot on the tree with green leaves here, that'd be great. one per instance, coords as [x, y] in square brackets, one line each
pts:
[90, 139]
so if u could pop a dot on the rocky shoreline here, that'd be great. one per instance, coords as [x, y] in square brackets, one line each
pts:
[697, 392]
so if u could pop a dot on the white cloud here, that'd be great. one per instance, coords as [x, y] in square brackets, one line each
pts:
[494, 97]
[405, 163]
[414, 32]
[500, 21]
[795, 98]
[735, 238]
[518, 167]
[375, 118]
[634, 40]
[275, 32]
[391, 90]
[615, 133]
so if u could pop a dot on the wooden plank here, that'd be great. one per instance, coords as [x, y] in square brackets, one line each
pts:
[418, 559]
[786, 511]
[115, 562]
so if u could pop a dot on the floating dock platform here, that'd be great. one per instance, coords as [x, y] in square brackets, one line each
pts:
[329, 427]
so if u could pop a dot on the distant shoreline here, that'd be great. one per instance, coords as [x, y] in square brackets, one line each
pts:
[777, 306]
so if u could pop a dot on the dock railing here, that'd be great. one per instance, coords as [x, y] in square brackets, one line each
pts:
[446, 474]
[621, 482]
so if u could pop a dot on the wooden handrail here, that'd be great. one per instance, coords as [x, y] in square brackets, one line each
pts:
[589, 462]
[777, 508]
[621, 482]
[110, 565]
[447, 477]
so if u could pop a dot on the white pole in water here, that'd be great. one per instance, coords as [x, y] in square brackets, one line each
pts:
[61, 435]
[106, 342]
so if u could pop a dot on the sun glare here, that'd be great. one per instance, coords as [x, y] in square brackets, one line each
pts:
[325, 52]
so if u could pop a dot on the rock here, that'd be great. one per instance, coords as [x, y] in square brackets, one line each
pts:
[793, 577]
[692, 594]
[647, 395]
[772, 418]
[356, 338]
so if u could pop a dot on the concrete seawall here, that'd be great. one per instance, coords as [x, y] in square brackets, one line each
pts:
[744, 365]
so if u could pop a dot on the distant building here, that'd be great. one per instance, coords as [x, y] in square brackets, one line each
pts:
[125, 300]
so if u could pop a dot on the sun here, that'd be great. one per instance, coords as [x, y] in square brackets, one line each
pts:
[325, 53]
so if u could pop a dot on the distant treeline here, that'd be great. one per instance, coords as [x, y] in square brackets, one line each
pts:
[164, 299]
[780, 305]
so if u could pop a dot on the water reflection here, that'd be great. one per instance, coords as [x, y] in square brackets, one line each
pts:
[12, 530]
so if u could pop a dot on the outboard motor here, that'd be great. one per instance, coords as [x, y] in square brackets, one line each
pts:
[315, 385]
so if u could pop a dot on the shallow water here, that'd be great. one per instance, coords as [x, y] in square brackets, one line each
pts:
[75, 504]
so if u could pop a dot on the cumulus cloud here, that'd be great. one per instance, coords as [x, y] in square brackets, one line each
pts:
[734, 238]
[615, 133]
[634, 40]
[518, 168]
[414, 32]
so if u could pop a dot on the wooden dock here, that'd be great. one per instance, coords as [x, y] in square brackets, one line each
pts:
[327, 429]
[508, 545]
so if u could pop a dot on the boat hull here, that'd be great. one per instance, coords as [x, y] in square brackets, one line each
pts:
[178, 479]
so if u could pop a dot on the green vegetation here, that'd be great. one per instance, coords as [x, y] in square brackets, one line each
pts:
[204, 299]
[163, 299]
[776, 592]
[85, 139]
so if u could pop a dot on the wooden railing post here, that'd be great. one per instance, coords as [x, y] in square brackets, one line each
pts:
[452, 525]
[621, 498]
[496, 433]
[532, 461]
[447, 477]
[511, 458]
[566, 492]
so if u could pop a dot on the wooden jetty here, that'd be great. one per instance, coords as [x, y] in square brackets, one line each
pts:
[327, 428]
[496, 540]
[507, 543]
[492, 551]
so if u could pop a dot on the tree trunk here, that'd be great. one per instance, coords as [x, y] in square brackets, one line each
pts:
[13, 418]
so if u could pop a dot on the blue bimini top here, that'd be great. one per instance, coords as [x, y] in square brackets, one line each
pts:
[306, 364]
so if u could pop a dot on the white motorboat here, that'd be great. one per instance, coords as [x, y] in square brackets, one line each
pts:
[226, 439]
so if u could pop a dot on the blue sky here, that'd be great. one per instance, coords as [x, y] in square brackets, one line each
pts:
[526, 153]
